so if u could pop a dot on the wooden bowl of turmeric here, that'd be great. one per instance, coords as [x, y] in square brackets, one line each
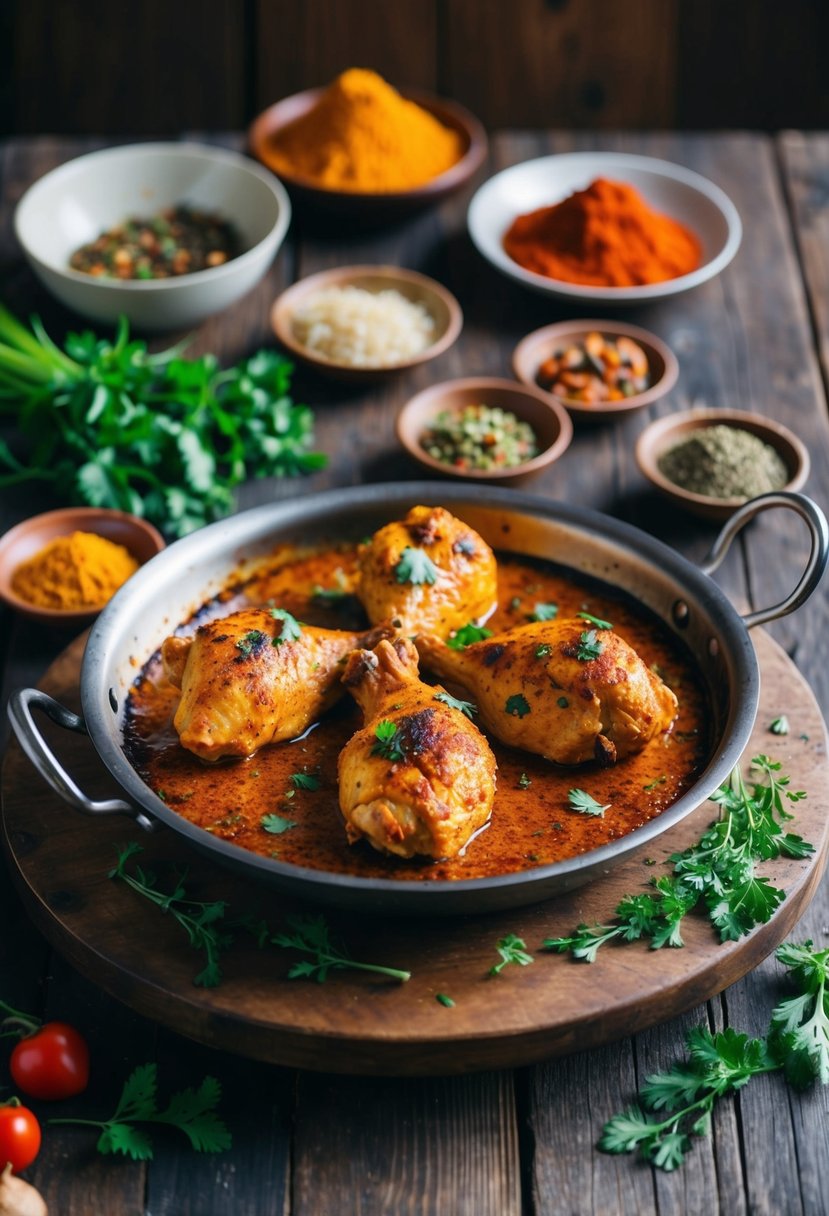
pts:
[361, 150]
[61, 567]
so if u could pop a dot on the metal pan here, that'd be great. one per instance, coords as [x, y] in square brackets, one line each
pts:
[170, 587]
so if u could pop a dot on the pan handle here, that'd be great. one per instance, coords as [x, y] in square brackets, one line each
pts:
[21, 704]
[815, 521]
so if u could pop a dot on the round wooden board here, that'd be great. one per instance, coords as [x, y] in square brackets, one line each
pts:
[357, 1022]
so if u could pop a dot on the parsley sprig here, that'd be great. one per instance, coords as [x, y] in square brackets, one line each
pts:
[720, 1064]
[589, 646]
[718, 872]
[200, 920]
[168, 438]
[512, 949]
[586, 804]
[469, 708]
[208, 930]
[310, 935]
[192, 1111]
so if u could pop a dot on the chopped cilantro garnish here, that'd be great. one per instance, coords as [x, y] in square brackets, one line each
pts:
[466, 635]
[517, 705]
[466, 707]
[594, 620]
[589, 646]
[415, 566]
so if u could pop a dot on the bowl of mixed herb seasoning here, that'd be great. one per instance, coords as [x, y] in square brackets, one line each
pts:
[710, 462]
[164, 234]
[484, 429]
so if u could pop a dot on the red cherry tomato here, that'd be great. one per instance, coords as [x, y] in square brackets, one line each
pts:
[51, 1063]
[19, 1137]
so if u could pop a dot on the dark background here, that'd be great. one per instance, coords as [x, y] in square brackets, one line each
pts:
[169, 66]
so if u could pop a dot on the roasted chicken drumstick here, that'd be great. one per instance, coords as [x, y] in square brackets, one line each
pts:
[560, 689]
[255, 677]
[419, 778]
[429, 571]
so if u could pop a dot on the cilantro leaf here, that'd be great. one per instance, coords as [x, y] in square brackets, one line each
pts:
[251, 642]
[291, 628]
[388, 741]
[517, 706]
[594, 620]
[589, 646]
[466, 707]
[304, 781]
[415, 566]
[779, 726]
[310, 935]
[277, 824]
[581, 801]
[512, 949]
[544, 612]
[467, 635]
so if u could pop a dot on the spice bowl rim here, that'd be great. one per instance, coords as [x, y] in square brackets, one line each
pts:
[660, 434]
[429, 401]
[25, 539]
[490, 214]
[430, 289]
[524, 355]
[379, 205]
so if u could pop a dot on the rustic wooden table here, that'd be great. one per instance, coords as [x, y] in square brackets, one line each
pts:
[501, 1143]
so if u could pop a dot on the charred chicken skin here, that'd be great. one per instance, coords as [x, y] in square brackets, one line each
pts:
[254, 677]
[429, 572]
[560, 689]
[419, 778]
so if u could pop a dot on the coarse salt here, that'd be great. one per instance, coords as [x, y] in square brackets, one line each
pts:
[363, 328]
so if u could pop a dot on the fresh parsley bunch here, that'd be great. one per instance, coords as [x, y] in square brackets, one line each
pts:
[677, 1104]
[161, 436]
[719, 872]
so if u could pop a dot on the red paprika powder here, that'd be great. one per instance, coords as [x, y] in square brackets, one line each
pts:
[604, 236]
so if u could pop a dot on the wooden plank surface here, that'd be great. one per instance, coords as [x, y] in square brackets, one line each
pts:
[746, 335]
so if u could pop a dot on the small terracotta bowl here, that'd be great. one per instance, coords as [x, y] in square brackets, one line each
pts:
[26, 539]
[433, 296]
[668, 431]
[551, 423]
[531, 352]
[371, 208]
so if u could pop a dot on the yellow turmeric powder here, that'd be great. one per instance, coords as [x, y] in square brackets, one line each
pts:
[78, 571]
[362, 136]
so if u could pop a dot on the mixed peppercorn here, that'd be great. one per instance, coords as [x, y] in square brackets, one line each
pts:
[179, 240]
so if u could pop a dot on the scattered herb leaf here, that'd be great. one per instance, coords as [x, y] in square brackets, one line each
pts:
[304, 781]
[562, 703]
[192, 1111]
[512, 949]
[466, 707]
[594, 620]
[524, 782]
[415, 566]
[291, 628]
[581, 801]
[589, 646]
[653, 784]
[779, 726]
[277, 824]
[517, 706]
[251, 641]
[443, 999]
[389, 741]
[543, 650]
[544, 612]
[466, 635]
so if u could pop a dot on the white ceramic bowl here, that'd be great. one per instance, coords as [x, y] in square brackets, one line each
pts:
[79, 200]
[671, 189]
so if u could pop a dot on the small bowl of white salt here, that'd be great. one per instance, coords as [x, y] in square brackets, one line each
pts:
[364, 322]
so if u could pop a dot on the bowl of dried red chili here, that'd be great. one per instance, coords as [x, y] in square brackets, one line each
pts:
[165, 234]
[604, 227]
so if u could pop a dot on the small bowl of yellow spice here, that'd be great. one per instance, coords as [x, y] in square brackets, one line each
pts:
[61, 567]
[361, 149]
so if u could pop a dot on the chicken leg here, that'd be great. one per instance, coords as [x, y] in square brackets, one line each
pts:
[419, 778]
[559, 689]
[255, 677]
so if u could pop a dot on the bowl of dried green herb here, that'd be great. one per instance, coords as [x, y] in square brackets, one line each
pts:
[711, 461]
